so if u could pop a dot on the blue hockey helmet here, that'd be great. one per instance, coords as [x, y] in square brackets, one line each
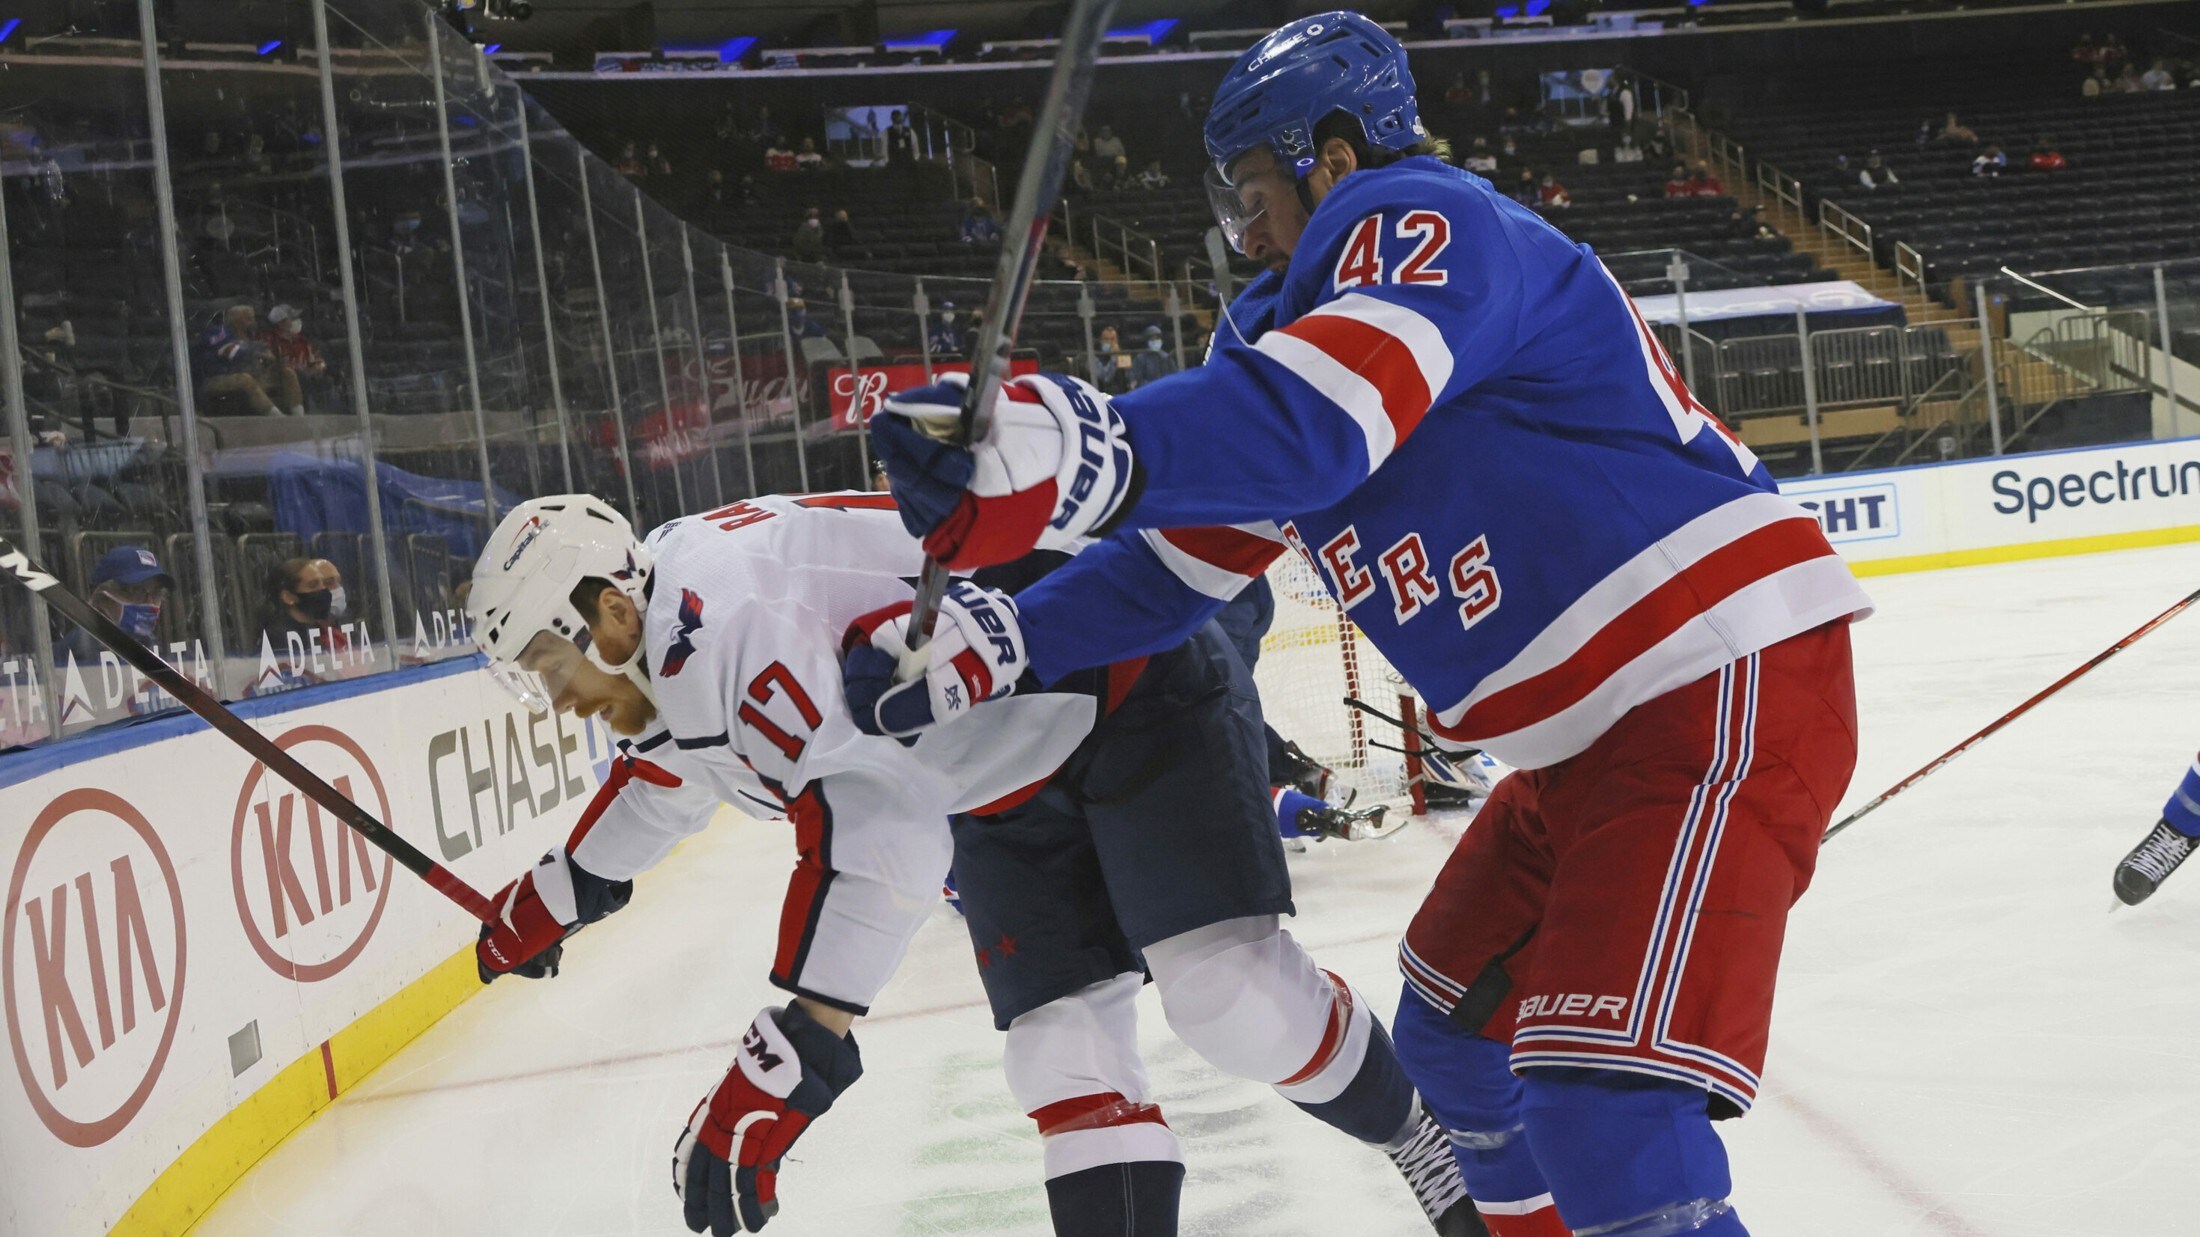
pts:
[1286, 84]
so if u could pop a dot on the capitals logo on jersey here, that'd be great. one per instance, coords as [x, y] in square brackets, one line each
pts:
[691, 621]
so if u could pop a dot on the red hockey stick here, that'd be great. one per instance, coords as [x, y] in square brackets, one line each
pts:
[43, 584]
[2015, 713]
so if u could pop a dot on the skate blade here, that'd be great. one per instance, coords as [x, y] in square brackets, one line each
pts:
[1375, 833]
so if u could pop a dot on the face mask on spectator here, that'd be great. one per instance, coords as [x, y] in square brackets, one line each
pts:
[339, 603]
[291, 326]
[1154, 344]
[138, 617]
[1105, 346]
[408, 226]
[317, 604]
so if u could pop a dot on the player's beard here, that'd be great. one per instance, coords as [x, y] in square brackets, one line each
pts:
[626, 710]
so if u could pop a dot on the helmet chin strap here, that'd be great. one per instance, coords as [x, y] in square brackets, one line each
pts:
[634, 669]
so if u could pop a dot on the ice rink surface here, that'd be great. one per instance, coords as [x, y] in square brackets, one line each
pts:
[1967, 1044]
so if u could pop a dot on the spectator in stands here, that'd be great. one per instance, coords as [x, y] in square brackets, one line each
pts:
[1676, 185]
[1080, 177]
[1748, 223]
[1153, 178]
[1702, 184]
[808, 242]
[2098, 83]
[230, 359]
[901, 141]
[840, 234]
[1526, 190]
[1990, 162]
[1479, 160]
[2128, 81]
[1154, 360]
[301, 361]
[629, 163]
[979, 227]
[714, 201]
[129, 586]
[1551, 194]
[800, 324]
[1459, 93]
[1119, 174]
[879, 482]
[1106, 146]
[1111, 366]
[1953, 129]
[306, 602]
[2085, 51]
[1625, 150]
[655, 164]
[1875, 173]
[2158, 77]
[2113, 51]
[766, 132]
[2044, 156]
[777, 158]
[808, 158]
[1510, 150]
[945, 337]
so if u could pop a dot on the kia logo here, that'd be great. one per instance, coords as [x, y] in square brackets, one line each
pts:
[309, 888]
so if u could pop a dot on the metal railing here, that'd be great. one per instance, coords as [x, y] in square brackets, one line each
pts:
[1135, 253]
[1781, 188]
[1909, 266]
[1850, 229]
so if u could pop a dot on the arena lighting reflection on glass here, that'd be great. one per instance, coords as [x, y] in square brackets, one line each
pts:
[269, 47]
[1152, 32]
[7, 29]
[936, 42]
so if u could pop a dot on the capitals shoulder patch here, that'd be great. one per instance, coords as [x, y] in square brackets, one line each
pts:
[683, 646]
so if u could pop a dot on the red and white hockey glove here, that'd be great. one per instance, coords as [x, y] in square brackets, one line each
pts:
[535, 912]
[976, 654]
[787, 1071]
[1054, 467]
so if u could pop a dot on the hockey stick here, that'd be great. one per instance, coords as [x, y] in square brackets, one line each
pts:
[2014, 714]
[1369, 709]
[1046, 164]
[129, 648]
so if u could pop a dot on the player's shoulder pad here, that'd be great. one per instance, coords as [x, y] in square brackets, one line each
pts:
[1414, 222]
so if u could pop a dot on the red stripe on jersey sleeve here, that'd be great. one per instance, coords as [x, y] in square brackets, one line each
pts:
[1701, 585]
[1376, 355]
[1232, 549]
[806, 887]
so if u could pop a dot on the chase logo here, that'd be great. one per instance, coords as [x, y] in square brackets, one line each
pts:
[1855, 512]
[691, 621]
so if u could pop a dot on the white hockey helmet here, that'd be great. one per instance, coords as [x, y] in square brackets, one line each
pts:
[524, 580]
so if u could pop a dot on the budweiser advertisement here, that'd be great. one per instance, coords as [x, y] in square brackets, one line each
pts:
[858, 393]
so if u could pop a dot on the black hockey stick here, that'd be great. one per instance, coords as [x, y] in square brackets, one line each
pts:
[1369, 709]
[1046, 165]
[43, 584]
[2013, 714]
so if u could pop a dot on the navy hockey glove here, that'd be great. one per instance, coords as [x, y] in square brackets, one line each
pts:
[1055, 467]
[976, 654]
[536, 912]
[787, 1071]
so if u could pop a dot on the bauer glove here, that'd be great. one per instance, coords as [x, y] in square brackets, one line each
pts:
[786, 1072]
[1053, 468]
[976, 654]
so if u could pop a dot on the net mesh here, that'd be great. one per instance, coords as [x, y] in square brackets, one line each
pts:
[1310, 660]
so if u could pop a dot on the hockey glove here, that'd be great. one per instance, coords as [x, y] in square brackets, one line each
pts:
[787, 1071]
[976, 654]
[535, 912]
[1054, 468]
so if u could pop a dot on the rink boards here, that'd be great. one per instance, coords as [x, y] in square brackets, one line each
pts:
[196, 959]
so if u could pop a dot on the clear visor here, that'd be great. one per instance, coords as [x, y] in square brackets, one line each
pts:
[1232, 214]
[542, 672]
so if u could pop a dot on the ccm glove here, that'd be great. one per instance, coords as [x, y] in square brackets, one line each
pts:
[1054, 468]
[976, 654]
[787, 1071]
[535, 912]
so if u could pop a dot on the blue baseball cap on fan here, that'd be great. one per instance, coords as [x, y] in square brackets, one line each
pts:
[129, 564]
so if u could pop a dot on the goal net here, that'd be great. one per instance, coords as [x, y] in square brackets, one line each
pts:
[1310, 660]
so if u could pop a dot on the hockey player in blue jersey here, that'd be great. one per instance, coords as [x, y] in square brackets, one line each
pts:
[2168, 844]
[1457, 417]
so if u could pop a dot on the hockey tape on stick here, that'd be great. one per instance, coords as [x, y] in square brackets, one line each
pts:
[1046, 165]
[20, 568]
[2013, 714]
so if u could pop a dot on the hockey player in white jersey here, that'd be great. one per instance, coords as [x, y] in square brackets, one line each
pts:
[717, 648]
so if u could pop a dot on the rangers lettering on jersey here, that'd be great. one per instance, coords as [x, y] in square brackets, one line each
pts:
[1436, 410]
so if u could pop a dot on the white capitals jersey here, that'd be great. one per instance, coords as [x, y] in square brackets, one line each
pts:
[747, 607]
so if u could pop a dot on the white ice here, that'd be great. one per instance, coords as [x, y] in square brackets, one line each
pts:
[1968, 1043]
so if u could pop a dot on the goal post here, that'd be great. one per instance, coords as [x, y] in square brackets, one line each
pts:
[1312, 658]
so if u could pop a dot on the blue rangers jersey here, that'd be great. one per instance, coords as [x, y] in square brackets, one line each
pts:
[1456, 415]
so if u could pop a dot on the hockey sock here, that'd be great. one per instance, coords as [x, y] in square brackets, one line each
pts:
[1289, 803]
[1628, 1155]
[1375, 1103]
[2182, 812]
[1467, 1082]
[1137, 1199]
